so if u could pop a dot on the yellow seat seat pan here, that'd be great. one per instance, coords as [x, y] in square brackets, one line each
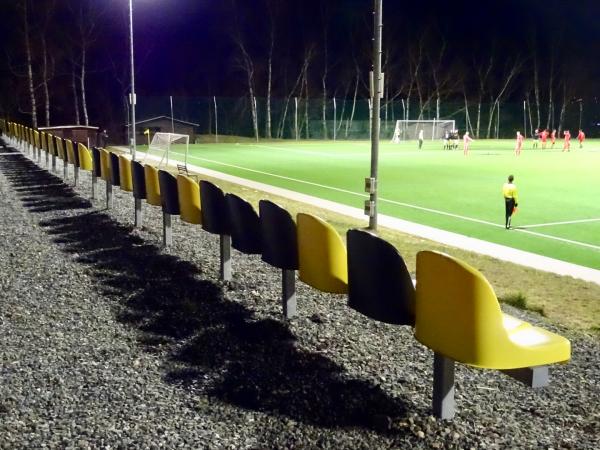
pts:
[188, 192]
[152, 186]
[85, 158]
[459, 317]
[125, 178]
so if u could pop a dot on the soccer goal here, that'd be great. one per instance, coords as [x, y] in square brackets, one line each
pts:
[163, 144]
[407, 130]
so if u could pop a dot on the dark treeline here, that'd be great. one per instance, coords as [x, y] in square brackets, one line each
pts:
[67, 61]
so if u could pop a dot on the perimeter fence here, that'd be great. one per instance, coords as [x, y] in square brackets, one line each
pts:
[345, 119]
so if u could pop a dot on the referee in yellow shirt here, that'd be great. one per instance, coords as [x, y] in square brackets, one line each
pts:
[511, 198]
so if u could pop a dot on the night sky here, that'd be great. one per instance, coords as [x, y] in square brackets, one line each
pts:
[186, 47]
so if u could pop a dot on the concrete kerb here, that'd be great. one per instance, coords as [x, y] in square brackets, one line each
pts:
[460, 241]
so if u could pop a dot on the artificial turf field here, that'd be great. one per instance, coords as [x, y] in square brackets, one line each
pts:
[559, 193]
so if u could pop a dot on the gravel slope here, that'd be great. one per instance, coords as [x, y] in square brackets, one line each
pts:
[106, 340]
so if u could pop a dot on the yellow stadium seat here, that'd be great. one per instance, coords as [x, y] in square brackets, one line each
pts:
[459, 317]
[70, 152]
[321, 255]
[105, 165]
[36, 141]
[85, 158]
[188, 192]
[152, 186]
[125, 179]
[60, 149]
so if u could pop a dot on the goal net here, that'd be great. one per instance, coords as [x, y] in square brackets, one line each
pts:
[407, 130]
[165, 144]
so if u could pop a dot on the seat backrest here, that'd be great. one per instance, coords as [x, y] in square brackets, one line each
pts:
[457, 312]
[43, 140]
[152, 185]
[105, 165]
[115, 177]
[379, 284]
[279, 236]
[321, 255]
[85, 157]
[50, 141]
[60, 148]
[36, 139]
[246, 235]
[97, 159]
[138, 179]
[168, 193]
[215, 215]
[125, 179]
[70, 151]
[189, 200]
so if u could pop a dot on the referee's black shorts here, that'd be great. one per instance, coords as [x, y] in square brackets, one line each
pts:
[510, 206]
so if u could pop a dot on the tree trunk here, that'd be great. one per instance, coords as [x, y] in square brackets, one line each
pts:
[563, 109]
[29, 67]
[478, 117]
[536, 91]
[351, 118]
[550, 120]
[491, 119]
[86, 120]
[530, 117]
[324, 107]
[268, 132]
[75, 98]
[45, 80]
[269, 84]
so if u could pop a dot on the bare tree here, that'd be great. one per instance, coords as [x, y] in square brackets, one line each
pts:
[246, 64]
[47, 67]
[24, 7]
[512, 69]
[483, 75]
[268, 131]
[325, 17]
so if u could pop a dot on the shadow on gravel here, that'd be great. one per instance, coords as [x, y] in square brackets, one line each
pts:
[214, 345]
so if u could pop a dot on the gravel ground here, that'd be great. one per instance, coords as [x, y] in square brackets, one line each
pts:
[109, 341]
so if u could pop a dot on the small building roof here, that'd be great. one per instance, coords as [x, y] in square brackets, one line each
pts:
[141, 122]
[68, 127]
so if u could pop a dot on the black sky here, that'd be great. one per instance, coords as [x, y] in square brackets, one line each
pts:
[185, 47]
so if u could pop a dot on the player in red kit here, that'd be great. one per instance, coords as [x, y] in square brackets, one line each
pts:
[544, 138]
[553, 138]
[581, 138]
[519, 144]
[567, 145]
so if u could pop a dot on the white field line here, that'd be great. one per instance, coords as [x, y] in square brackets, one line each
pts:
[537, 225]
[407, 205]
[496, 251]
[9, 153]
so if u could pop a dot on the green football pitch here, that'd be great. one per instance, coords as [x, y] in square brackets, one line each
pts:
[559, 193]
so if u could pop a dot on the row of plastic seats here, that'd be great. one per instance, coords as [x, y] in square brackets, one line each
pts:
[453, 309]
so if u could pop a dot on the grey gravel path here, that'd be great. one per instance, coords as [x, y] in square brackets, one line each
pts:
[108, 341]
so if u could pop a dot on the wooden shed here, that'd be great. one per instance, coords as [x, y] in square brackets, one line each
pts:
[164, 124]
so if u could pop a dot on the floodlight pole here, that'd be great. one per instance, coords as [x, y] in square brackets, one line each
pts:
[375, 116]
[132, 98]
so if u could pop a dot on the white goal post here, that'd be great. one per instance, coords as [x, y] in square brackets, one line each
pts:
[163, 144]
[407, 130]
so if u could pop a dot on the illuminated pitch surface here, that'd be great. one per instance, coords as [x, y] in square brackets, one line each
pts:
[559, 204]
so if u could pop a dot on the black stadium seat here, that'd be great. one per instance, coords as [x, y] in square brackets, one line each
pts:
[246, 235]
[379, 284]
